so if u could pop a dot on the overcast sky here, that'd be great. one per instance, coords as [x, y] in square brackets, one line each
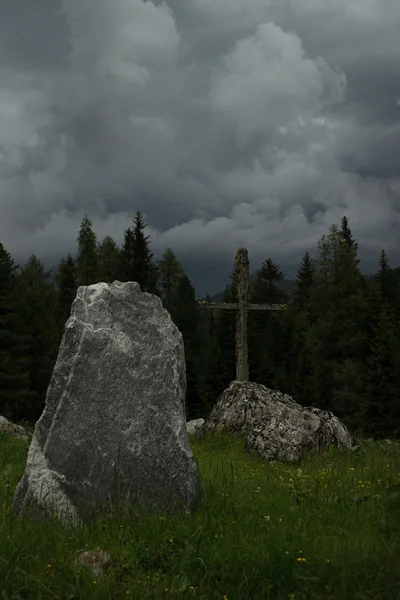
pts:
[228, 123]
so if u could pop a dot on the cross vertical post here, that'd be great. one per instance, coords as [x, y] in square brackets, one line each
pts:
[242, 307]
[242, 287]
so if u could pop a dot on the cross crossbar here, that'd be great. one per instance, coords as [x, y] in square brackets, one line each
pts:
[242, 306]
[235, 306]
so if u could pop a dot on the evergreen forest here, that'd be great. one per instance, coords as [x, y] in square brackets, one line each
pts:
[337, 347]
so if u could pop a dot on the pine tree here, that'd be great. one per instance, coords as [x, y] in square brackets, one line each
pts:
[39, 318]
[389, 283]
[380, 409]
[301, 364]
[348, 236]
[87, 254]
[225, 329]
[108, 260]
[300, 317]
[305, 280]
[265, 331]
[383, 267]
[8, 270]
[212, 375]
[336, 339]
[170, 272]
[209, 320]
[67, 288]
[126, 257]
[136, 259]
[185, 315]
[153, 280]
[380, 414]
[14, 342]
[374, 304]
[266, 285]
[142, 255]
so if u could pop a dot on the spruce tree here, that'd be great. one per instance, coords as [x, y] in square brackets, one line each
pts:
[170, 272]
[207, 319]
[8, 270]
[380, 408]
[67, 287]
[225, 330]
[142, 256]
[336, 339]
[301, 317]
[108, 260]
[384, 267]
[348, 236]
[382, 377]
[86, 260]
[301, 364]
[125, 261]
[136, 259]
[14, 342]
[305, 280]
[212, 374]
[266, 285]
[389, 283]
[265, 331]
[39, 318]
[185, 315]
[153, 280]
[211, 329]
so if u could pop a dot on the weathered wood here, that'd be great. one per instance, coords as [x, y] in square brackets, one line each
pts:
[242, 362]
[235, 306]
[242, 307]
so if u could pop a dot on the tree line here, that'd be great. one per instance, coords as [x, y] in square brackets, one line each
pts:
[337, 347]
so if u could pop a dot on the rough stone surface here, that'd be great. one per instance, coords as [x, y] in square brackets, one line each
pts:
[114, 425]
[14, 430]
[98, 561]
[194, 425]
[276, 427]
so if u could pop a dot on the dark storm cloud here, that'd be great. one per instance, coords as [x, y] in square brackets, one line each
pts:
[32, 35]
[228, 123]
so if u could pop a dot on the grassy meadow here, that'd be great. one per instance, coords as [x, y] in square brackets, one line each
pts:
[327, 529]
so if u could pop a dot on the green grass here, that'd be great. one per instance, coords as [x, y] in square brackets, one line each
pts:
[328, 528]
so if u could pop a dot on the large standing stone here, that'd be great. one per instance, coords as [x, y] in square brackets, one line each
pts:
[275, 427]
[114, 420]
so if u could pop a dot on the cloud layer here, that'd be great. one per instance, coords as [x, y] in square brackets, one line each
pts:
[228, 123]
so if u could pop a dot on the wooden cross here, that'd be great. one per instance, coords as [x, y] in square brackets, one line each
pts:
[242, 306]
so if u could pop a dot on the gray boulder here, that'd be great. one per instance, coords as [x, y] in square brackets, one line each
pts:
[97, 561]
[275, 427]
[14, 430]
[194, 425]
[114, 425]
